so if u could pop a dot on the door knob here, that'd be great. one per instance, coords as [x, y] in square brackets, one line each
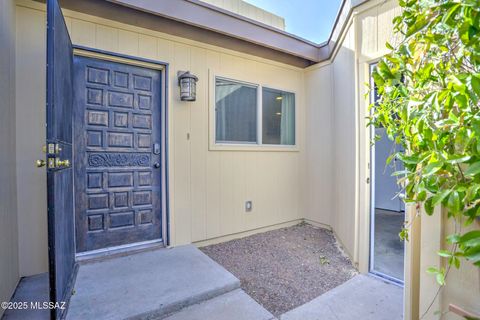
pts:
[40, 163]
[156, 165]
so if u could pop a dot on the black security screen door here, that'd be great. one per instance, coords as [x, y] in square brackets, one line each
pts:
[61, 244]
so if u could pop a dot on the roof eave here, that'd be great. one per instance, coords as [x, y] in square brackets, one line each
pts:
[200, 21]
[205, 16]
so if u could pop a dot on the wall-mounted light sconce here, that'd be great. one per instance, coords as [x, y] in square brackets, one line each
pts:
[188, 85]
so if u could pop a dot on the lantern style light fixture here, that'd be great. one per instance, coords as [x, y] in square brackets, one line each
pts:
[188, 85]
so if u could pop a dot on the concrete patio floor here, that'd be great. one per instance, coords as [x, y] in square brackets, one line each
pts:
[362, 297]
[235, 305]
[389, 249]
[30, 289]
[150, 284]
[185, 284]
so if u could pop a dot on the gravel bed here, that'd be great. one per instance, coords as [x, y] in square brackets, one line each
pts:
[285, 268]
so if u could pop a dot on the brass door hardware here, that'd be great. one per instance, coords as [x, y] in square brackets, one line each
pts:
[51, 148]
[62, 163]
[40, 163]
[51, 163]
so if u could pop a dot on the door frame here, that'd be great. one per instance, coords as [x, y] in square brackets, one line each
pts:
[163, 68]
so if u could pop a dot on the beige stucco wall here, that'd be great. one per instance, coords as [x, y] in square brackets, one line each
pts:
[250, 11]
[8, 212]
[208, 189]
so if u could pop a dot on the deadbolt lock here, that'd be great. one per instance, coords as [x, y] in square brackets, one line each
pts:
[51, 148]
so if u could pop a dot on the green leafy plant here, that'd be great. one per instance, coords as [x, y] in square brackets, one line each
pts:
[429, 87]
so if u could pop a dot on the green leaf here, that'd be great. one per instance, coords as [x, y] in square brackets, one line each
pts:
[458, 159]
[470, 237]
[440, 278]
[475, 81]
[473, 254]
[384, 70]
[454, 261]
[428, 206]
[444, 253]
[432, 270]
[473, 169]
[439, 197]
[461, 100]
[422, 195]
[453, 238]
[404, 234]
[389, 159]
[450, 13]
[407, 159]
[433, 167]
[453, 202]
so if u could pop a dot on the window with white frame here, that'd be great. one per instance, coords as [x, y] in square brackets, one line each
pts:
[251, 114]
[235, 112]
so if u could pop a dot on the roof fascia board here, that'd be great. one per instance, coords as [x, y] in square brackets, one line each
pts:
[237, 32]
[206, 16]
[123, 14]
[202, 15]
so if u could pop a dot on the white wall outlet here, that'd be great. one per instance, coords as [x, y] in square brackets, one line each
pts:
[248, 206]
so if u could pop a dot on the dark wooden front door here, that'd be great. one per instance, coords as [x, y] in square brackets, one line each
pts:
[61, 239]
[117, 153]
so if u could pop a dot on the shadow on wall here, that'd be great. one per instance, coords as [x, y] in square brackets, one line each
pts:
[331, 146]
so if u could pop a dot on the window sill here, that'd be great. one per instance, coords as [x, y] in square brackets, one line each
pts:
[252, 147]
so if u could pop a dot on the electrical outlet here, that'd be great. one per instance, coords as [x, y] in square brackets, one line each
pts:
[248, 206]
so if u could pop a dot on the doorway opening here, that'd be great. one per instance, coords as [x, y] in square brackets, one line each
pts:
[387, 209]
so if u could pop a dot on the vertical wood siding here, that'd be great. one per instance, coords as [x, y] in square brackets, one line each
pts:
[8, 207]
[30, 137]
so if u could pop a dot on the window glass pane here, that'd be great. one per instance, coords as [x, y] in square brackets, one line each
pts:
[235, 112]
[278, 117]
